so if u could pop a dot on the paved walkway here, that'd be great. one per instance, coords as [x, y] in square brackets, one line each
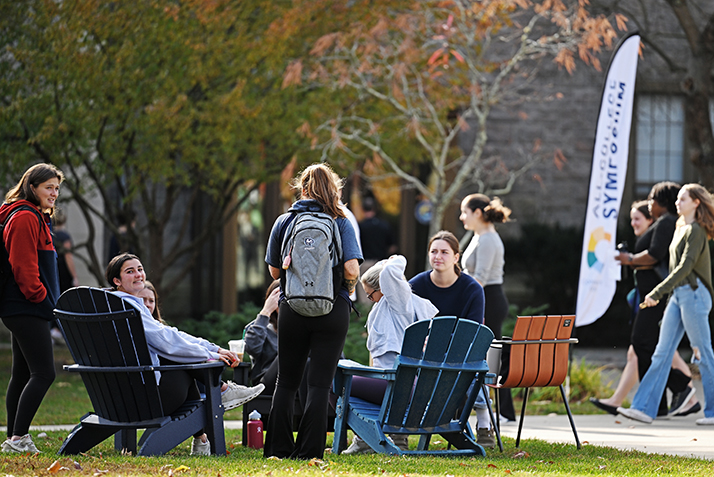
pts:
[677, 436]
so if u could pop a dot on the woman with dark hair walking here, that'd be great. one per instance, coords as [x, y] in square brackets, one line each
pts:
[28, 297]
[319, 337]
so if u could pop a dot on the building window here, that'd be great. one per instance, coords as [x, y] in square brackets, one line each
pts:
[659, 149]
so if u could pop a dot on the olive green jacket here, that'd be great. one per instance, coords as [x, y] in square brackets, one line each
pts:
[688, 260]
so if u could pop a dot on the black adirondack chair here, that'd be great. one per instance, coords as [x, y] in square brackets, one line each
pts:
[106, 337]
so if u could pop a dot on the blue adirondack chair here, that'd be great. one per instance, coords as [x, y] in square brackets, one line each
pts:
[439, 361]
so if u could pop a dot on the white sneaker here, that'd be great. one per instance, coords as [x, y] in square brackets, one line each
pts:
[705, 421]
[20, 446]
[57, 337]
[358, 446]
[635, 415]
[400, 440]
[198, 447]
[236, 395]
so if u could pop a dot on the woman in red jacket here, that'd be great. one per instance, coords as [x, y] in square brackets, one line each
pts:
[28, 297]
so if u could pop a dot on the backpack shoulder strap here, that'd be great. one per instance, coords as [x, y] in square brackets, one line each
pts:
[24, 207]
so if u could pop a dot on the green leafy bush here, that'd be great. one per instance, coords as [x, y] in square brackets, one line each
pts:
[585, 382]
[219, 328]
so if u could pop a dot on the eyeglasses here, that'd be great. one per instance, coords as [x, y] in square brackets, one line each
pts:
[369, 297]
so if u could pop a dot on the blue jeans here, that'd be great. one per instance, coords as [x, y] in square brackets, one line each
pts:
[687, 311]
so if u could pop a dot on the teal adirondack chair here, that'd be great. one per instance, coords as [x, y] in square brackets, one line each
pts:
[430, 384]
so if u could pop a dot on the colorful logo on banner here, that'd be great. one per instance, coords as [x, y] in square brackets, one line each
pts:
[600, 242]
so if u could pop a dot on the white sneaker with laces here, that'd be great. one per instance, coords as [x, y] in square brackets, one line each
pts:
[705, 421]
[236, 395]
[20, 446]
[635, 415]
[358, 446]
[198, 447]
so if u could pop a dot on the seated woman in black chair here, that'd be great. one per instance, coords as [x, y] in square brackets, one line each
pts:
[167, 345]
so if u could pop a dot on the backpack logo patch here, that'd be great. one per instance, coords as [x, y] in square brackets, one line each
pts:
[309, 243]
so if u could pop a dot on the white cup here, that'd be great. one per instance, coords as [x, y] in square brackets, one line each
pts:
[238, 347]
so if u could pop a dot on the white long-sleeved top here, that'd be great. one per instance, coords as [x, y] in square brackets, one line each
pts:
[397, 309]
[168, 341]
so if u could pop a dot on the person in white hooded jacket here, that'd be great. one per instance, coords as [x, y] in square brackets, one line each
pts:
[395, 308]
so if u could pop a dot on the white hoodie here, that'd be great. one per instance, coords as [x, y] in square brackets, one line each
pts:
[397, 309]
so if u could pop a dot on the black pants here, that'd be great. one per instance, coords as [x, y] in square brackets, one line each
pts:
[322, 338]
[496, 311]
[33, 370]
[645, 334]
[177, 387]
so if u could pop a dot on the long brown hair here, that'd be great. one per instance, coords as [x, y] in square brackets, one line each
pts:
[453, 242]
[704, 214]
[32, 178]
[157, 312]
[318, 182]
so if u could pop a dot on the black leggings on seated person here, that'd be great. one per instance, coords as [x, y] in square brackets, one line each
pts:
[177, 387]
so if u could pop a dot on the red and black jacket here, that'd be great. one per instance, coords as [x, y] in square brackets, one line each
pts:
[33, 288]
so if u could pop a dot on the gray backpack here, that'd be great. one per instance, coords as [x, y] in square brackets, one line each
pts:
[311, 255]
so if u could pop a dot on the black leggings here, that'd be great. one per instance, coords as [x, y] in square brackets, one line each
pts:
[322, 338]
[495, 313]
[33, 370]
[177, 387]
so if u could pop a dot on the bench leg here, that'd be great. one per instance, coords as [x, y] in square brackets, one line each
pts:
[523, 414]
[570, 416]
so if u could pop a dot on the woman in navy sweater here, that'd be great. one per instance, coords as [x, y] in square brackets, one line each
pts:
[454, 294]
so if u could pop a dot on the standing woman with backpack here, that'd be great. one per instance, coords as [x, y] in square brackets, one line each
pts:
[305, 333]
[29, 294]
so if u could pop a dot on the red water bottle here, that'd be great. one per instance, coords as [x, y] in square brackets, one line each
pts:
[255, 430]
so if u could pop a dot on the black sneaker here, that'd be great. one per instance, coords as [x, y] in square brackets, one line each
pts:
[696, 407]
[680, 400]
[485, 438]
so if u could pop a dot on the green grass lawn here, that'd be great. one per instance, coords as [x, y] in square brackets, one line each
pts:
[67, 401]
[536, 459]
